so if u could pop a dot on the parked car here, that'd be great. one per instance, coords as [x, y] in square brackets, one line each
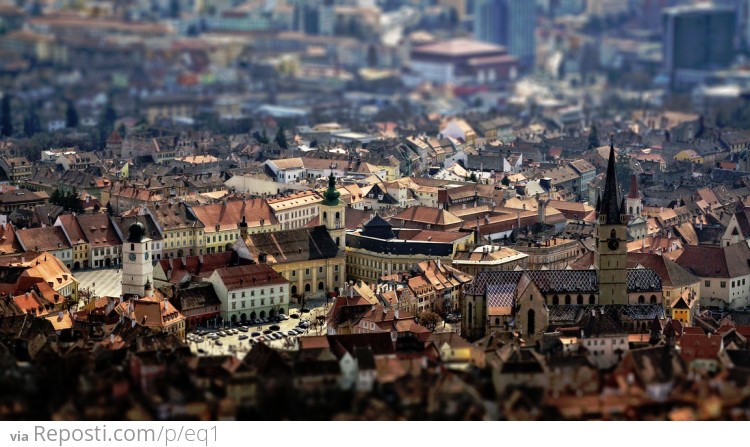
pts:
[255, 334]
[218, 343]
[242, 337]
[295, 316]
[283, 317]
[242, 329]
[274, 327]
[292, 333]
[267, 331]
[201, 351]
[283, 335]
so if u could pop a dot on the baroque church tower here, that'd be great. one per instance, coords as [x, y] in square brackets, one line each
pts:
[611, 240]
[332, 213]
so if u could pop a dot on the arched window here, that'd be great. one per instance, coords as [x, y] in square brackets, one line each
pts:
[307, 287]
[320, 286]
[652, 300]
[567, 299]
[641, 299]
[555, 300]
[132, 247]
[579, 299]
[592, 299]
[338, 215]
[497, 322]
[613, 234]
[325, 215]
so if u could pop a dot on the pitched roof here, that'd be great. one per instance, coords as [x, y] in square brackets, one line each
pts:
[300, 244]
[43, 239]
[247, 276]
[428, 215]
[98, 230]
[228, 215]
[562, 281]
[670, 273]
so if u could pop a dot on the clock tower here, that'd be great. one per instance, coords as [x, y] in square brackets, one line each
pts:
[333, 212]
[137, 269]
[611, 240]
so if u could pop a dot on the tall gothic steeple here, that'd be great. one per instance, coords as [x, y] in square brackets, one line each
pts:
[611, 239]
[611, 206]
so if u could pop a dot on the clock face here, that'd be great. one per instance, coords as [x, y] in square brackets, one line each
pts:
[145, 256]
[613, 244]
[132, 256]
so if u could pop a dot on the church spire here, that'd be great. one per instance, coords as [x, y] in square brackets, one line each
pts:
[331, 196]
[610, 203]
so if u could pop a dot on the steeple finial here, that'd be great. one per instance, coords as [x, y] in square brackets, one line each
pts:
[331, 195]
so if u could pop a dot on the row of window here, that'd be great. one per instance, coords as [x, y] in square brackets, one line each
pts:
[252, 303]
[723, 284]
[262, 292]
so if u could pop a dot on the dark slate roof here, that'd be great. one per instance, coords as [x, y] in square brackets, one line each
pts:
[300, 244]
[378, 227]
[548, 281]
[596, 324]
[399, 246]
[643, 280]
[573, 314]
[501, 295]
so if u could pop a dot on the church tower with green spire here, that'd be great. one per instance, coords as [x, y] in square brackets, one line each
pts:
[333, 212]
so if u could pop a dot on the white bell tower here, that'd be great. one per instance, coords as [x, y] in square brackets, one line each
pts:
[137, 269]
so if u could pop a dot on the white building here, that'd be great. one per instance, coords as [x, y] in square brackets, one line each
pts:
[296, 210]
[251, 291]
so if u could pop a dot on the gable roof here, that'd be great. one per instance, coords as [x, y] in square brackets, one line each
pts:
[301, 244]
[43, 239]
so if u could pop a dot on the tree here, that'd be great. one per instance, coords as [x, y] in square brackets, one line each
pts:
[593, 137]
[281, 138]
[473, 177]
[71, 115]
[261, 138]
[505, 181]
[6, 123]
[429, 320]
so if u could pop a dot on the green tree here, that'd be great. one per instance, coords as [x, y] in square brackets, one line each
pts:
[71, 115]
[429, 320]
[56, 197]
[261, 138]
[6, 123]
[281, 138]
[473, 177]
[505, 181]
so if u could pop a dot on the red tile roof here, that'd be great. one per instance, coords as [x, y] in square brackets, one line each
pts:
[246, 276]
[695, 347]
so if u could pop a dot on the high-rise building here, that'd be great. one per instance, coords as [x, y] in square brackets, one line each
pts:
[698, 37]
[511, 23]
